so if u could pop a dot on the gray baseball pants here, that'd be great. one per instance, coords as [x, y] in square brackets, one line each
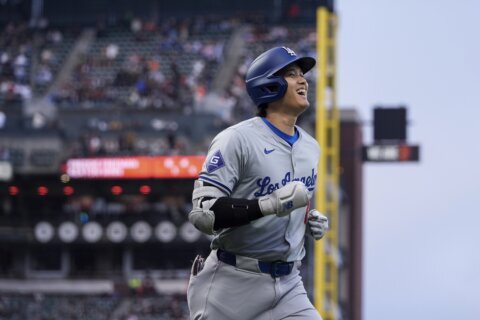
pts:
[225, 292]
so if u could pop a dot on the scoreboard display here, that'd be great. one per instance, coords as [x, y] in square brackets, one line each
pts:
[391, 153]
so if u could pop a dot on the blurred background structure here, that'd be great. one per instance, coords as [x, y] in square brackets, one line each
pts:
[107, 109]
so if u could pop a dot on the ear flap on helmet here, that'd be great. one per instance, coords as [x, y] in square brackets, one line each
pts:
[266, 90]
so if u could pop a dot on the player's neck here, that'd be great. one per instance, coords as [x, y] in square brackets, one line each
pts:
[283, 122]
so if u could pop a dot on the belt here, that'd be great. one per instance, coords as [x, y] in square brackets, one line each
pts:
[275, 269]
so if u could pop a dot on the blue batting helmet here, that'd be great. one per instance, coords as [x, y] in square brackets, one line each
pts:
[263, 83]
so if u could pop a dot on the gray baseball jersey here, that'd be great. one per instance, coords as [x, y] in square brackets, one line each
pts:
[250, 160]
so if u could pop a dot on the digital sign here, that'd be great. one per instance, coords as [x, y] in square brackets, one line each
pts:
[161, 167]
[391, 153]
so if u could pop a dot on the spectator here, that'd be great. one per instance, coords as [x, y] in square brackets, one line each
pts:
[44, 75]
[3, 119]
[136, 28]
[111, 52]
[20, 65]
[46, 56]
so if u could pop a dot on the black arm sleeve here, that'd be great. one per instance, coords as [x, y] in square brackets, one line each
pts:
[231, 212]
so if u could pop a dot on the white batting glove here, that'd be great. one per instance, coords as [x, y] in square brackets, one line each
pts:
[284, 200]
[317, 224]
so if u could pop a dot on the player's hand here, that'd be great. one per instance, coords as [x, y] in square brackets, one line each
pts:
[317, 224]
[284, 200]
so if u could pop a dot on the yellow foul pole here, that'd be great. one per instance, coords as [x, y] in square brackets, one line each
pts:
[327, 134]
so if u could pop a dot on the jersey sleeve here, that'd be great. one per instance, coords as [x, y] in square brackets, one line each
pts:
[223, 164]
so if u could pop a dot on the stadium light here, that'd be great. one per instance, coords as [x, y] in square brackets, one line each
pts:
[116, 232]
[68, 232]
[141, 231]
[68, 190]
[165, 231]
[189, 233]
[145, 189]
[92, 232]
[116, 190]
[44, 232]
[42, 191]
[13, 190]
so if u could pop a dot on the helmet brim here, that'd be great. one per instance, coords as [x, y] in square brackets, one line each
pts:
[305, 63]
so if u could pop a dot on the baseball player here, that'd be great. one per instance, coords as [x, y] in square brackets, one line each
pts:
[253, 196]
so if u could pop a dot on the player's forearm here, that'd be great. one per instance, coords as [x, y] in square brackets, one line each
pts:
[231, 212]
[212, 210]
[212, 214]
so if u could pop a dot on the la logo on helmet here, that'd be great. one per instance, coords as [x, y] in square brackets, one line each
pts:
[290, 51]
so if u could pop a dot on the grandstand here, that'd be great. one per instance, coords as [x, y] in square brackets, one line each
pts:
[123, 86]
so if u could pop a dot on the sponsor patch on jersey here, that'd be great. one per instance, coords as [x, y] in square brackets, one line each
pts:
[215, 162]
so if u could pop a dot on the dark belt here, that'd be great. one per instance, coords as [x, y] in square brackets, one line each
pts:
[275, 269]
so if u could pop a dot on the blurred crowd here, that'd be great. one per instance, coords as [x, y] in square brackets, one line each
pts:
[29, 59]
[166, 66]
[99, 307]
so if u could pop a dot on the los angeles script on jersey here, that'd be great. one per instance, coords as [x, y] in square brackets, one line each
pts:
[267, 186]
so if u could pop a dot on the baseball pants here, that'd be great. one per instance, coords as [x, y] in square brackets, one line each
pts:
[242, 292]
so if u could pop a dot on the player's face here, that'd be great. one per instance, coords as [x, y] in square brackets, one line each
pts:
[295, 97]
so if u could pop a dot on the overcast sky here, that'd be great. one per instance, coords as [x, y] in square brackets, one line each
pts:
[422, 221]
